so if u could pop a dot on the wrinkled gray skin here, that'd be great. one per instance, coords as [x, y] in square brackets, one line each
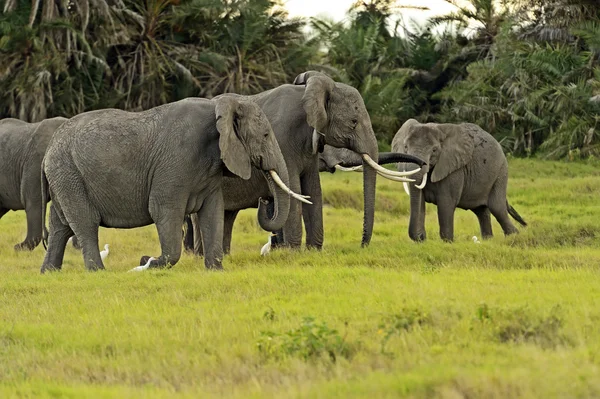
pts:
[120, 169]
[467, 169]
[338, 112]
[22, 148]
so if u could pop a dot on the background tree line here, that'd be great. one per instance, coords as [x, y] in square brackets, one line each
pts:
[525, 70]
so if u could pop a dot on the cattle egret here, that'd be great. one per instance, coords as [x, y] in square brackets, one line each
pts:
[144, 267]
[475, 240]
[104, 253]
[267, 247]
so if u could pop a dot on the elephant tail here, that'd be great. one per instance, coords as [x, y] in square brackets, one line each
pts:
[44, 206]
[512, 212]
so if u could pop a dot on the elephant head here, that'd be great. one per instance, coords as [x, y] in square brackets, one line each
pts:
[246, 139]
[338, 115]
[445, 148]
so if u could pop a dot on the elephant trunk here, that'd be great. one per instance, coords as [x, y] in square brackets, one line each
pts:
[416, 226]
[369, 182]
[395, 157]
[281, 201]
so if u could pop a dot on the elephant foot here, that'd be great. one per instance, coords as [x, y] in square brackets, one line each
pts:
[26, 246]
[215, 268]
[94, 268]
[49, 268]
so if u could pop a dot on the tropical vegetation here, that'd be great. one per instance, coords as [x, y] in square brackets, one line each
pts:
[527, 71]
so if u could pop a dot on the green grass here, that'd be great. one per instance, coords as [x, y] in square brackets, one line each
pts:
[511, 317]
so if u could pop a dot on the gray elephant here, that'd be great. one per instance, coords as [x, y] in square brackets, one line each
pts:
[466, 168]
[22, 148]
[305, 116]
[120, 169]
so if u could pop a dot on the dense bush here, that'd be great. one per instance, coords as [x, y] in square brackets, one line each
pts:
[527, 71]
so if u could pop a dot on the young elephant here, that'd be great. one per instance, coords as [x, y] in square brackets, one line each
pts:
[120, 169]
[467, 169]
[22, 148]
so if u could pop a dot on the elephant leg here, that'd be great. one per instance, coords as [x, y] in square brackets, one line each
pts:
[446, 219]
[58, 236]
[188, 236]
[88, 234]
[197, 235]
[485, 221]
[499, 208]
[168, 227]
[229, 220]
[292, 230]
[313, 214]
[211, 226]
[33, 212]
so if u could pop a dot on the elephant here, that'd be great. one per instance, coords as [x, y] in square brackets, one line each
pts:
[22, 147]
[313, 111]
[113, 168]
[466, 168]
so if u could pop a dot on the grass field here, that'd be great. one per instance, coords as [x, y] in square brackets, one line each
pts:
[513, 317]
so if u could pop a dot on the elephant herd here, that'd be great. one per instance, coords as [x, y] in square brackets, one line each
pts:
[200, 162]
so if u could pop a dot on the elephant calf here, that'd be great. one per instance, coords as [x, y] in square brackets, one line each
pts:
[467, 169]
[22, 148]
[121, 169]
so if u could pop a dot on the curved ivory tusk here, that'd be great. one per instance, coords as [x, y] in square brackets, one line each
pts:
[360, 169]
[395, 178]
[385, 171]
[352, 169]
[405, 185]
[423, 182]
[280, 183]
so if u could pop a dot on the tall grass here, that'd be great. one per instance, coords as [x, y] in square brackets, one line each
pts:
[510, 317]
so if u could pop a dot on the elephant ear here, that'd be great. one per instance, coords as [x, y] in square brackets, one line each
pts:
[230, 117]
[318, 90]
[456, 152]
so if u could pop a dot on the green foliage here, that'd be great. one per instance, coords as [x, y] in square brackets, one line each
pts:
[527, 71]
[311, 341]
[523, 325]
[400, 322]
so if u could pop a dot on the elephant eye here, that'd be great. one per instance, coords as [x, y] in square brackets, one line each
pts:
[354, 123]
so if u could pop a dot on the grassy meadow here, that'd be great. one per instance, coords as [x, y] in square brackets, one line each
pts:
[514, 317]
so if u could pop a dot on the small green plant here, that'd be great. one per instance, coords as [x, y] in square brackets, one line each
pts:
[311, 341]
[521, 325]
[270, 314]
[403, 321]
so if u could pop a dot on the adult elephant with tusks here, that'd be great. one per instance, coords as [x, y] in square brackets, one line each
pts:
[465, 168]
[120, 169]
[22, 148]
[306, 115]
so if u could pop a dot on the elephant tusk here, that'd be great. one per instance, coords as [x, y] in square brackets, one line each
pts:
[423, 182]
[405, 185]
[352, 169]
[281, 184]
[385, 171]
[395, 178]
[360, 169]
